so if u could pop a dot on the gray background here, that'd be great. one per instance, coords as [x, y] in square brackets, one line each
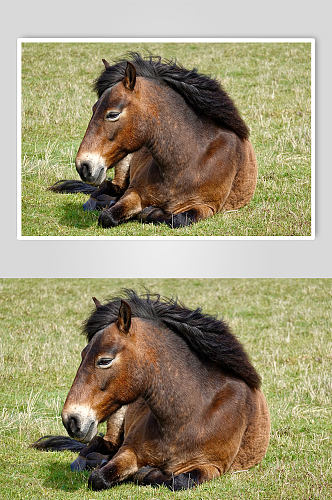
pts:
[167, 258]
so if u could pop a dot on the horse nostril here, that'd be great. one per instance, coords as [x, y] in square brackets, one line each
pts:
[86, 169]
[73, 424]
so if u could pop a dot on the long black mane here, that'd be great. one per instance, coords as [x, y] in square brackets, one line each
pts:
[207, 336]
[204, 94]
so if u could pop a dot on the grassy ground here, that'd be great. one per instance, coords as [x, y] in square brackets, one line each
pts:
[284, 324]
[270, 83]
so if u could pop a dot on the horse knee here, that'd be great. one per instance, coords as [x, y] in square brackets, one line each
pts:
[106, 219]
[127, 207]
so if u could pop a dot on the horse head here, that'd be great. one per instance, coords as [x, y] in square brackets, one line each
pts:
[113, 130]
[106, 378]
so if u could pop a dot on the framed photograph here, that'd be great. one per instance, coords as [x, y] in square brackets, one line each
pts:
[166, 138]
[200, 377]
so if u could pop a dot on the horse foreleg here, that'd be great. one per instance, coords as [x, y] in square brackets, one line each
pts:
[101, 449]
[127, 207]
[98, 452]
[155, 477]
[122, 466]
[103, 197]
[110, 191]
[122, 174]
[118, 185]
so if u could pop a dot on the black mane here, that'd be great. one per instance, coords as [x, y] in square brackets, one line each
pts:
[207, 336]
[204, 94]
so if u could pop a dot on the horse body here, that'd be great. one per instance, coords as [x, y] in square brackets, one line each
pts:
[207, 157]
[191, 156]
[191, 167]
[173, 195]
[223, 443]
[175, 417]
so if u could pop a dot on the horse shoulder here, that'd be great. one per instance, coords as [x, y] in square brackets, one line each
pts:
[232, 395]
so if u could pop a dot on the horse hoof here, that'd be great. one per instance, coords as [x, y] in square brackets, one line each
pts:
[145, 213]
[95, 459]
[105, 201]
[106, 219]
[90, 205]
[152, 215]
[181, 220]
[78, 465]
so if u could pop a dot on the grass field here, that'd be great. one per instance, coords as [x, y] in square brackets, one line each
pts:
[269, 82]
[284, 324]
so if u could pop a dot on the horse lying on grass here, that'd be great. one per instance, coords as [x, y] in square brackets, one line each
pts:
[181, 147]
[181, 399]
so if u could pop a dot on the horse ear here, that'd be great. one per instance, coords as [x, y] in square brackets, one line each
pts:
[97, 303]
[106, 64]
[130, 76]
[124, 317]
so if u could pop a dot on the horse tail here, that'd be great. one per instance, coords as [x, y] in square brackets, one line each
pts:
[57, 443]
[72, 186]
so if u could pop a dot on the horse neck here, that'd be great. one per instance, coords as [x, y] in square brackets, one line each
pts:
[174, 131]
[176, 381]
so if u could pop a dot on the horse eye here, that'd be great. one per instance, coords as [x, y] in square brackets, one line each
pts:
[104, 362]
[112, 116]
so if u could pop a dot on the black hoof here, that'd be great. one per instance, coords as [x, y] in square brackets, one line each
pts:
[146, 213]
[107, 220]
[152, 215]
[90, 205]
[105, 201]
[181, 482]
[96, 459]
[79, 464]
[181, 220]
[97, 482]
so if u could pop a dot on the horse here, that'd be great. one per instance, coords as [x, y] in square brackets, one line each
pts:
[181, 398]
[188, 147]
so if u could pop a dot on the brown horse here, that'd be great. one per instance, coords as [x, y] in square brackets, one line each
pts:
[179, 394]
[190, 153]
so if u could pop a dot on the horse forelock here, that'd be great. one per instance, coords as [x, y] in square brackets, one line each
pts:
[202, 93]
[210, 338]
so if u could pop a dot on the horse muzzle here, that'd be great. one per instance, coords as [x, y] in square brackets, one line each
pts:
[80, 423]
[91, 169]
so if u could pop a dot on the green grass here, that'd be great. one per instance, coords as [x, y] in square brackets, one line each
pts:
[269, 82]
[284, 324]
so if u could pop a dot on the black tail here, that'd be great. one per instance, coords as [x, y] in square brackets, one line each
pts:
[57, 443]
[72, 187]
